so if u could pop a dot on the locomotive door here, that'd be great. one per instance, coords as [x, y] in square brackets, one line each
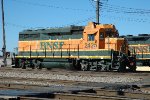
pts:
[101, 39]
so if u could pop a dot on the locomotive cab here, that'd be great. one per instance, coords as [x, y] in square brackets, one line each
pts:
[103, 36]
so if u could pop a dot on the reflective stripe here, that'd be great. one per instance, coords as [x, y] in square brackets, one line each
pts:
[86, 57]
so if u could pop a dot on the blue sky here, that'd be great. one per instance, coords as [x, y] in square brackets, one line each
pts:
[129, 16]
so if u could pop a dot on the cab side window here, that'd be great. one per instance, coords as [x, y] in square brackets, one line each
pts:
[91, 37]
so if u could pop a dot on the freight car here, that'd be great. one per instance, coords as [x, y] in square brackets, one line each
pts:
[140, 45]
[93, 47]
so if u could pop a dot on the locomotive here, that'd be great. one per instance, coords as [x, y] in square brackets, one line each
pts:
[140, 46]
[95, 47]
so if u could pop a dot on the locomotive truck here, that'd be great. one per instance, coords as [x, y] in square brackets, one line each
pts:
[96, 47]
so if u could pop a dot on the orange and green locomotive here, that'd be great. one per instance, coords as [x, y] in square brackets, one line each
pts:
[140, 46]
[92, 47]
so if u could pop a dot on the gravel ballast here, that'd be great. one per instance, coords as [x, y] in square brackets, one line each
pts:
[70, 77]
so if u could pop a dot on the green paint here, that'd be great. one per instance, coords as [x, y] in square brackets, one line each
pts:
[42, 45]
[48, 45]
[51, 45]
[55, 44]
[61, 44]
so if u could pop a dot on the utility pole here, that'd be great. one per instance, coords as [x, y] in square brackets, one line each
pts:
[97, 11]
[4, 40]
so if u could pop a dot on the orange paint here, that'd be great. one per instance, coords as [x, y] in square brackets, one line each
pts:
[94, 38]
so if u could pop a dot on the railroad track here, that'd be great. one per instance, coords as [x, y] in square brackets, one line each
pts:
[99, 94]
[57, 77]
[71, 72]
[33, 80]
[23, 83]
[79, 94]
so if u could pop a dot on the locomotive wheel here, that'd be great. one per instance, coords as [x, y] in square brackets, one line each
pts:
[40, 66]
[33, 67]
[122, 66]
[122, 69]
[84, 67]
[23, 66]
[48, 68]
[133, 68]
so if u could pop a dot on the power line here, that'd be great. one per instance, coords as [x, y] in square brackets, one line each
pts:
[127, 8]
[16, 25]
[29, 27]
[51, 6]
[108, 7]
[82, 21]
[91, 2]
[127, 19]
[120, 9]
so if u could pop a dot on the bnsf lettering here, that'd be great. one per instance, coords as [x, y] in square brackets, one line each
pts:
[51, 45]
[139, 49]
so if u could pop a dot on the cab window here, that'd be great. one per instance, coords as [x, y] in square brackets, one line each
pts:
[101, 36]
[91, 37]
